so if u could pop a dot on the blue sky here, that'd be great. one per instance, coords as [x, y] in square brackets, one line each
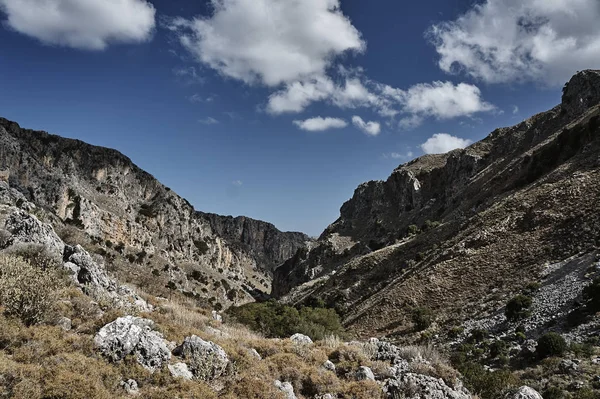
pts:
[276, 109]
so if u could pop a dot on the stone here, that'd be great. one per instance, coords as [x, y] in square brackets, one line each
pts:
[133, 336]
[180, 370]
[525, 392]
[64, 323]
[131, 387]
[364, 373]
[328, 365]
[301, 339]
[567, 366]
[325, 396]
[216, 316]
[286, 388]
[206, 359]
[27, 229]
[417, 386]
[253, 352]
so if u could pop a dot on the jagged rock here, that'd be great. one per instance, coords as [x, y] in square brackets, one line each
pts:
[27, 229]
[301, 339]
[417, 386]
[525, 392]
[180, 370]
[133, 336]
[328, 365]
[286, 388]
[131, 387]
[364, 373]
[206, 359]
[216, 316]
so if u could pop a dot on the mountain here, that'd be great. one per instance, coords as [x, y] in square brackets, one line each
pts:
[146, 232]
[460, 233]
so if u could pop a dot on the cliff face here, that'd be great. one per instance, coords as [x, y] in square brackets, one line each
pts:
[118, 205]
[443, 230]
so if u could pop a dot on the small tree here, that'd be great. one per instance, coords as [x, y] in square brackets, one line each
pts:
[27, 292]
[551, 344]
[516, 308]
[422, 318]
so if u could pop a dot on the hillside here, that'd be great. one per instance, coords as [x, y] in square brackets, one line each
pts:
[460, 233]
[148, 234]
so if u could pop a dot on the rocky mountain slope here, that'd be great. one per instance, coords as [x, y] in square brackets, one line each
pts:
[141, 227]
[462, 232]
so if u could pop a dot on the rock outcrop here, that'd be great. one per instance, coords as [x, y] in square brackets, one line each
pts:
[206, 359]
[133, 336]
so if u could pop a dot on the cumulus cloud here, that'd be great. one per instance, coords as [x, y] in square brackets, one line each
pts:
[370, 128]
[269, 41]
[89, 24]
[320, 124]
[521, 40]
[442, 143]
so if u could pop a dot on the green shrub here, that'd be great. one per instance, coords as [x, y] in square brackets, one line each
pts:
[551, 344]
[274, 319]
[429, 225]
[422, 318]
[488, 385]
[413, 229]
[516, 308]
[591, 294]
[27, 292]
[498, 348]
[554, 393]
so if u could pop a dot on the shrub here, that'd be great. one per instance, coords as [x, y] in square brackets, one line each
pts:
[591, 294]
[26, 292]
[277, 320]
[554, 393]
[551, 344]
[429, 225]
[498, 348]
[516, 308]
[37, 255]
[413, 229]
[422, 318]
[488, 385]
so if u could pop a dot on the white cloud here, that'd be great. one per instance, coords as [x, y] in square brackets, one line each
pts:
[400, 156]
[198, 98]
[519, 40]
[442, 143]
[296, 96]
[269, 41]
[81, 24]
[320, 124]
[515, 109]
[370, 128]
[188, 75]
[237, 183]
[208, 121]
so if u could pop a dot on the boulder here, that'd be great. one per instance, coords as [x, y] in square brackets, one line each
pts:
[301, 339]
[180, 370]
[417, 386]
[525, 392]
[567, 366]
[364, 373]
[27, 229]
[133, 336]
[206, 359]
[286, 388]
[64, 323]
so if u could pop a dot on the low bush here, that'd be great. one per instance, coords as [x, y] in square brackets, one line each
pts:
[551, 344]
[27, 292]
[517, 307]
[277, 320]
[422, 318]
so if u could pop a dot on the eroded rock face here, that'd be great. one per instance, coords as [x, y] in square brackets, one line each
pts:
[27, 229]
[525, 392]
[417, 386]
[206, 359]
[133, 336]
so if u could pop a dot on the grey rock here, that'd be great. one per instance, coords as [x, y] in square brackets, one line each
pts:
[525, 392]
[131, 387]
[133, 336]
[364, 373]
[216, 316]
[64, 323]
[301, 339]
[417, 386]
[27, 229]
[326, 396]
[180, 370]
[253, 352]
[286, 388]
[567, 366]
[206, 359]
[328, 365]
